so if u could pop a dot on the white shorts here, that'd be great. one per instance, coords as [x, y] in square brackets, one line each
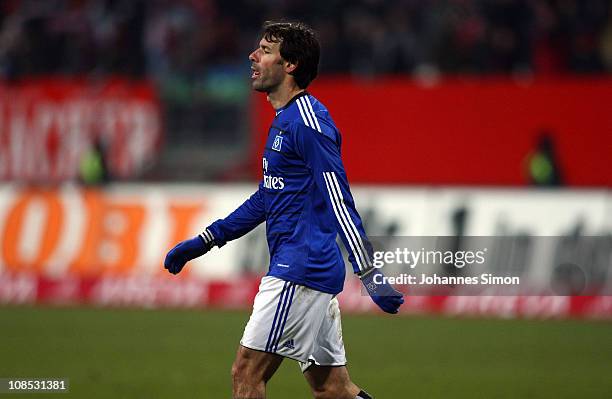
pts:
[297, 322]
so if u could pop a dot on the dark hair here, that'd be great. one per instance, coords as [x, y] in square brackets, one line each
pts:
[298, 45]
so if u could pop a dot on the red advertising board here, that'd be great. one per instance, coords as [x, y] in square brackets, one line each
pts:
[188, 291]
[463, 131]
[47, 125]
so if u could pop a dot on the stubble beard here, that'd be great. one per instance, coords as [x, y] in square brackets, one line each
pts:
[261, 87]
[273, 81]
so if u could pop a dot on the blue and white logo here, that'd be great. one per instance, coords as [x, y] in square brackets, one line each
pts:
[278, 142]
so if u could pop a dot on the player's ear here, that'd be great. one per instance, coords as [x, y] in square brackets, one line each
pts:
[290, 67]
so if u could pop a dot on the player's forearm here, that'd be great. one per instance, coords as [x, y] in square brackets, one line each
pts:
[232, 228]
[241, 221]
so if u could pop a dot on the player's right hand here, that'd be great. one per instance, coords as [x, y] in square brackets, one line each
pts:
[383, 294]
[185, 251]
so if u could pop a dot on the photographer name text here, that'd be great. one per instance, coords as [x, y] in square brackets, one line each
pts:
[434, 279]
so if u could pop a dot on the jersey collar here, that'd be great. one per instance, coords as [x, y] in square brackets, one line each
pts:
[293, 99]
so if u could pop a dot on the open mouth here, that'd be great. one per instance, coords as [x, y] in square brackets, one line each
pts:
[255, 73]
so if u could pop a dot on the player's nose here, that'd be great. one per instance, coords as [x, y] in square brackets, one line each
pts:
[253, 56]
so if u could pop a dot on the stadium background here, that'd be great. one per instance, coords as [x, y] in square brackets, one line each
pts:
[126, 126]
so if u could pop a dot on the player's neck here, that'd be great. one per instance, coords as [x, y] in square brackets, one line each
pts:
[283, 94]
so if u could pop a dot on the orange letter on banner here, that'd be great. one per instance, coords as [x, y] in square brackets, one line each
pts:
[13, 230]
[182, 216]
[125, 239]
[87, 261]
[110, 244]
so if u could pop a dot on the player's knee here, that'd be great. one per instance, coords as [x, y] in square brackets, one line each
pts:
[242, 373]
[239, 371]
[235, 371]
[330, 391]
[322, 394]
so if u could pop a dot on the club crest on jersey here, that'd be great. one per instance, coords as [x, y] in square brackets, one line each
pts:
[278, 143]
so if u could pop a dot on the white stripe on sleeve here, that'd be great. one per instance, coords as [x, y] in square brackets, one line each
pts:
[352, 240]
[350, 221]
[314, 116]
[302, 113]
[305, 107]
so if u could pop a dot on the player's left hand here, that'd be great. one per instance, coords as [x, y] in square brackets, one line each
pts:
[384, 295]
[185, 251]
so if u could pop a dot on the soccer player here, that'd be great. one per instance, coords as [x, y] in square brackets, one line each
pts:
[305, 200]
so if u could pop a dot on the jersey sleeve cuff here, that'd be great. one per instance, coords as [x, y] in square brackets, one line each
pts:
[208, 237]
[364, 273]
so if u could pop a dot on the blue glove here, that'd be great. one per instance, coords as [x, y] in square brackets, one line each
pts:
[384, 295]
[185, 251]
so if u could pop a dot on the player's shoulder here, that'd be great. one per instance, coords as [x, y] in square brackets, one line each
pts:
[305, 110]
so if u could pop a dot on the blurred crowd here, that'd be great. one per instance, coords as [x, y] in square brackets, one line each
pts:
[166, 38]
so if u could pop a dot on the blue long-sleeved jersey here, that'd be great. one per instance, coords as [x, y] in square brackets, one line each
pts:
[304, 198]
